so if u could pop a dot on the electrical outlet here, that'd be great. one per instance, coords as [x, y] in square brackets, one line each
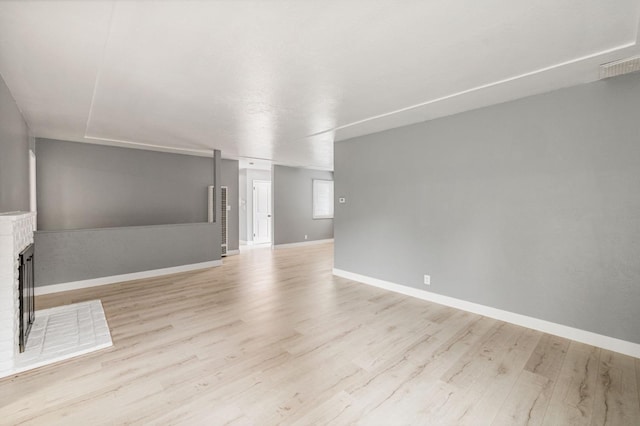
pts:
[427, 280]
[305, 237]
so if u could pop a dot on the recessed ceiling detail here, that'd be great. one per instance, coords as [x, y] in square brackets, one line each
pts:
[283, 80]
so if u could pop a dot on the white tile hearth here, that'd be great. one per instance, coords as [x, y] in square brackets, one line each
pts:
[64, 332]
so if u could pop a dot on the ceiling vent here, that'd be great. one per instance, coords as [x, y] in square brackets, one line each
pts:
[623, 66]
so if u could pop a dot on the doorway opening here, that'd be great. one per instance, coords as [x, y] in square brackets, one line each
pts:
[262, 225]
[255, 203]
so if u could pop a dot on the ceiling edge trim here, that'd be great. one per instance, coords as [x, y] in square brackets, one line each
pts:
[151, 147]
[482, 87]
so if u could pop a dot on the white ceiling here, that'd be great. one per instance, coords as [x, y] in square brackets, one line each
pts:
[281, 80]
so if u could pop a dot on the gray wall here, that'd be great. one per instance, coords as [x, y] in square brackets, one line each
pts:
[230, 179]
[84, 186]
[531, 206]
[293, 206]
[87, 192]
[67, 256]
[14, 155]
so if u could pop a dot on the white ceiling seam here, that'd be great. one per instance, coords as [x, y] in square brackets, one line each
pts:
[485, 86]
[99, 70]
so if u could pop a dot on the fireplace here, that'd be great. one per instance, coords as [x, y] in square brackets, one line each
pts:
[16, 236]
[26, 295]
[56, 333]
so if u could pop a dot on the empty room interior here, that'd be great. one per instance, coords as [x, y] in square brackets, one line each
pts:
[320, 212]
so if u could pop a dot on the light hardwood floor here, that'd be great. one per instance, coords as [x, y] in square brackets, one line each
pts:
[272, 337]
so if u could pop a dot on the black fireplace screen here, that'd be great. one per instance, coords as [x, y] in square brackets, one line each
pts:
[26, 295]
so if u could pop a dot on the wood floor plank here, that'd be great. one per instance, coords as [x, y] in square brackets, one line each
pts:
[494, 373]
[616, 391]
[572, 400]
[527, 403]
[548, 356]
[272, 337]
[327, 412]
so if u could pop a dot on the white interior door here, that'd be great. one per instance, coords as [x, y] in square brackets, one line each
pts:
[261, 211]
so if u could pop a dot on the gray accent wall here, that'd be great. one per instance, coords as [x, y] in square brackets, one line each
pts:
[531, 206]
[230, 179]
[67, 256]
[14, 154]
[293, 206]
[105, 211]
[84, 186]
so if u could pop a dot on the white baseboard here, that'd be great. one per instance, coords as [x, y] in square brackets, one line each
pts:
[94, 282]
[583, 336]
[303, 243]
[232, 252]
